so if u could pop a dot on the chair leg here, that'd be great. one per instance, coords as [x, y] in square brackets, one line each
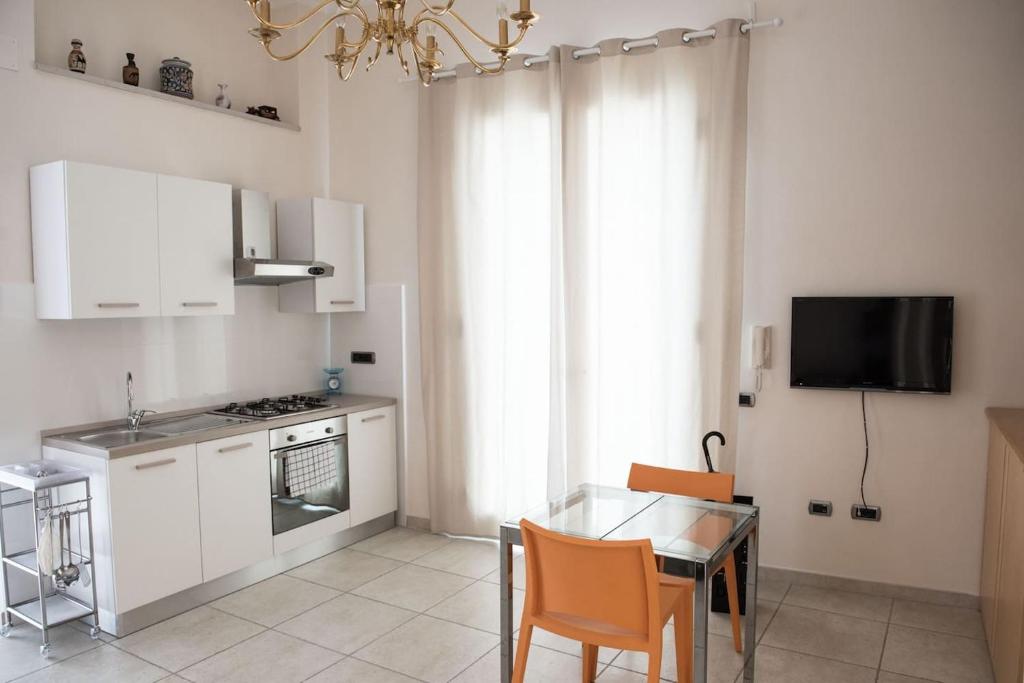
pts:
[589, 663]
[734, 600]
[654, 664]
[522, 650]
[684, 639]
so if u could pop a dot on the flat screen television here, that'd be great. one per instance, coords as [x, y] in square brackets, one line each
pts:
[900, 343]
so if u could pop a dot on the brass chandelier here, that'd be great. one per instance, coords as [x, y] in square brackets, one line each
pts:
[391, 33]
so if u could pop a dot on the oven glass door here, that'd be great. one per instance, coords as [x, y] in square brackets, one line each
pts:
[308, 483]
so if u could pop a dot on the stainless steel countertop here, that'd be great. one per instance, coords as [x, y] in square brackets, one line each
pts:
[64, 437]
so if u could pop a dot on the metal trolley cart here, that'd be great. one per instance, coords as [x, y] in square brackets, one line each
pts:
[54, 491]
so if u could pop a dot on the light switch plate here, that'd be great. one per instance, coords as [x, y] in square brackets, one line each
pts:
[8, 53]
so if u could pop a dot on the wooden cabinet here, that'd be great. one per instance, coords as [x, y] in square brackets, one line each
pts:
[323, 230]
[196, 249]
[154, 526]
[372, 464]
[94, 241]
[1002, 565]
[234, 503]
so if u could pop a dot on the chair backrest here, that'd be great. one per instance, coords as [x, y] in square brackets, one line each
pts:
[599, 592]
[717, 486]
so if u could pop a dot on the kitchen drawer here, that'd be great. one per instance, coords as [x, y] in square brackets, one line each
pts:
[154, 524]
[234, 503]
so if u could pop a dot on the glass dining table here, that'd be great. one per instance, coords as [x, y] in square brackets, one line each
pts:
[698, 533]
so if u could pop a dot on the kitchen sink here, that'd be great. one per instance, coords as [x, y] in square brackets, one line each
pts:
[118, 437]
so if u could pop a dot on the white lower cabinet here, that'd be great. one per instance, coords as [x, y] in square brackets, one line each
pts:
[154, 526]
[372, 464]
[234, 503]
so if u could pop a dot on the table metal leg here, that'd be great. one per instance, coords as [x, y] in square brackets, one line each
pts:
[750, 638]
[505, 585]
[700, 623]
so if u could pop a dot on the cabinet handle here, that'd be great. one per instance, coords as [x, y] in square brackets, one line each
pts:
[156, 463]
[117, 305]
[199, 304]
[236, 447]
[374, 417]
[346, 302]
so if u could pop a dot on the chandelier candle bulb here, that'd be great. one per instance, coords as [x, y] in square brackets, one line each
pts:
[263, 10]
[503, 31]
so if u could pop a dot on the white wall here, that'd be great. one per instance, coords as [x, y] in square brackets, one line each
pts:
[55, 373]
[884, 157]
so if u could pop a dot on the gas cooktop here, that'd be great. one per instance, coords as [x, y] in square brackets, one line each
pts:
[269, 408]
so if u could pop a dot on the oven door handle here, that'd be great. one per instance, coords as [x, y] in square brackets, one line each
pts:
[283, 452]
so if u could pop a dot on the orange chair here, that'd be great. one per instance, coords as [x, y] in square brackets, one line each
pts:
[603, 594]
[717, 486]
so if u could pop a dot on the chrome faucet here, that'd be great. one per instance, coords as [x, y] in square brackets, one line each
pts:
[134, 416]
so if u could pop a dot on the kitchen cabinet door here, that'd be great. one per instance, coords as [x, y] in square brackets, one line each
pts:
[154, 525]
[1008, 630]
[196, 247]
[94, 234]
[372, 464]
[330, 231]
[992, 530]
[234, 503]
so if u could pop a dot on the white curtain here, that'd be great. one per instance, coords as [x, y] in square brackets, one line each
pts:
[581, 228]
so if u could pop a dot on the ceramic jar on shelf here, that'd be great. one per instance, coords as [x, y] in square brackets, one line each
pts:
[176, 77]
[76, 58]
[130, 71]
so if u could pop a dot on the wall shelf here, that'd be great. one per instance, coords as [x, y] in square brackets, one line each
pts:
[63, 71]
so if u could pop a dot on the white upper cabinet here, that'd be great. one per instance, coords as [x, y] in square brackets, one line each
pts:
[323, 230]
[94, 241]
[196, 249]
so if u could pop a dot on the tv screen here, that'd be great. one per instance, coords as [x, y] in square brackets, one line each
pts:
[873, 343]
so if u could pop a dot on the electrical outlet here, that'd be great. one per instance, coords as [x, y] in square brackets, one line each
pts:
[820, 507]
[871, 513]
[364, 357]
[747, 399]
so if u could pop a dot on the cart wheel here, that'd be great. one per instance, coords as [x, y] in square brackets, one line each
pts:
[94, 632]
[5, 631]
[44, 650]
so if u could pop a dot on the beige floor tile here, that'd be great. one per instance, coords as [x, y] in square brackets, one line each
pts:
[835, 636]
[723, 662]
[402, 544]
[187, 638]
[275, 600]
[936, 656]
[887, 677]
[518, 573]
[612, 674]
[413, 587]
[542, 666]
[346, 623]
[772, 590]
[475, 559]
[479, 606]
[841, 602]
[270, 656]
[720, 623]
[345, 569]
[429, 649]
[958, 621]
[106, 663]
[19, 653]
[352, 670]
[781, 666]
[551, 641]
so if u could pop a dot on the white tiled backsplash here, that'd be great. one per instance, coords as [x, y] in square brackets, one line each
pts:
[63, 372]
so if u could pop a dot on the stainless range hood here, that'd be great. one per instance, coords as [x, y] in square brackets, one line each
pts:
[265, 271]
[253, 265]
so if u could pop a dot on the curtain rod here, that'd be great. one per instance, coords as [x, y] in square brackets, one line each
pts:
[626, 46]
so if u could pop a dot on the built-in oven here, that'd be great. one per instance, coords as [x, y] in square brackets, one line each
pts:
[308, 472]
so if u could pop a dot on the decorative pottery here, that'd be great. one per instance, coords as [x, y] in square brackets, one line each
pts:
[130, 72]
[223, 101]
[264, 111]
[176, 77]
[76, 58]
